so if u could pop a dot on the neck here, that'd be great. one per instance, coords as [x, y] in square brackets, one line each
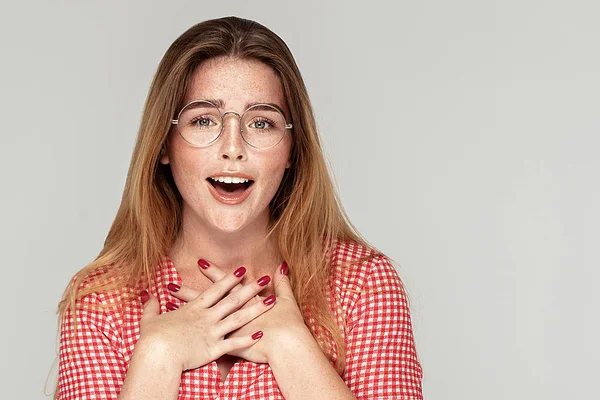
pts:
[226, 250]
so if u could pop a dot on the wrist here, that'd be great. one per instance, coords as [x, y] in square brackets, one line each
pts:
[303, 371]
[292, 342]
[151, 370]
[155, 351]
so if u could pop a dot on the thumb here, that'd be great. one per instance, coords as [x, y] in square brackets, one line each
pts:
[150, 304]
[283, 286]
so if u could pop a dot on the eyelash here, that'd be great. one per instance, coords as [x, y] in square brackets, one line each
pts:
[194, 120]
[257, 119]
[261, 119]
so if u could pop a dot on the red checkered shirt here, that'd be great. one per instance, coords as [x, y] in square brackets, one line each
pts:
[381, 361]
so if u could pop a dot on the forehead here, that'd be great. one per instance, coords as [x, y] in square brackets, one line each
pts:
[236, 82]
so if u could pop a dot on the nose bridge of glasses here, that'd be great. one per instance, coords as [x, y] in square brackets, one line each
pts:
[231, 143]
[233, 113]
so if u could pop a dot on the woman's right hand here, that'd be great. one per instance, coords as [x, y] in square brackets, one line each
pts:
[194, 334]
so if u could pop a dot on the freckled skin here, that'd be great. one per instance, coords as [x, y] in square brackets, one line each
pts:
[237, 82]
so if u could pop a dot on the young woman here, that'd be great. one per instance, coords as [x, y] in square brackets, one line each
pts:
[231, 270]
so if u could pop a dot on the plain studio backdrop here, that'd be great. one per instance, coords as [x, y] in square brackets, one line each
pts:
[463, 136]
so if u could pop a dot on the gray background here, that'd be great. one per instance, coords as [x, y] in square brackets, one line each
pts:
[463, 136]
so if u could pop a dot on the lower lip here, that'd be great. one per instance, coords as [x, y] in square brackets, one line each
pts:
[230, 200]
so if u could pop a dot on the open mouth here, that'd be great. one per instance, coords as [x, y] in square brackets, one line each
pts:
[230, 186]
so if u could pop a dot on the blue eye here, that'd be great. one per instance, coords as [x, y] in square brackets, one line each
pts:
[262, 124]
[201, 121]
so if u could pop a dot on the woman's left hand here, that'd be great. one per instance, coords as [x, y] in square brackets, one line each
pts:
[282, 324]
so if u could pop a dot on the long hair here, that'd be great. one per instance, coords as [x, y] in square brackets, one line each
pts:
[306, 215]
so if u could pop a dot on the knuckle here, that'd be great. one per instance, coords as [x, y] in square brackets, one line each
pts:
[214, 351]
[235, 300]
[261, 309]
[237, 287]
[219, 291]
[238, 319]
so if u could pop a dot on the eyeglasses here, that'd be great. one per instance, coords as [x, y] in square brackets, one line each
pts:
[200, 123]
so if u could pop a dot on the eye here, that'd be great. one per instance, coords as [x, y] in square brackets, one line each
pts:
[201, 121]
[261, 123]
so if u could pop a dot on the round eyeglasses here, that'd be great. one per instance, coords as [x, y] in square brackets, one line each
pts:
[200, 123]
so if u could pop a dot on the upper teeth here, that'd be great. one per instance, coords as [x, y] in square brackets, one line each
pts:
[229, 179]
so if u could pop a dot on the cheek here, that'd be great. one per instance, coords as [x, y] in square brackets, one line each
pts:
[274, 178]
[275, 170]
[187, 172]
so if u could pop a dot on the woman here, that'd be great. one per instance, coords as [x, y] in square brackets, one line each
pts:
[230, 270]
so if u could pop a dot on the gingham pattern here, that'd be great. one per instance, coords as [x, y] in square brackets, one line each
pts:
[381, 357]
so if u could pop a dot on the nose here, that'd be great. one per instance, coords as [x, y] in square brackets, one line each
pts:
[232, 143]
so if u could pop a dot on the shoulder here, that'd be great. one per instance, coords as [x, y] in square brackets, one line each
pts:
[100, 316]
[355, 266]
[349, 252]
[99, 298]
[361, 275]
[116, 288]
[100, 287]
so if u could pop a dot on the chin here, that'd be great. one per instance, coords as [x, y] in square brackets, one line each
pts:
[230, 225]
[230, 228]
[231, 219]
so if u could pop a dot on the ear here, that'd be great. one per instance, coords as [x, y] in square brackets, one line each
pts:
[164, 155]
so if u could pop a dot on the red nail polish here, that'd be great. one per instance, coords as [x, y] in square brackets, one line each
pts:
[145, 296]
[257, 335]
[284, 268]
[239, 272]
[173, 287]
[171, 306]
[203, 264]
[264, 281]
[269, 300]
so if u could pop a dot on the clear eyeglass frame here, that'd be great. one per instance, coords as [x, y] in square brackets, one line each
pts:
[286, 126]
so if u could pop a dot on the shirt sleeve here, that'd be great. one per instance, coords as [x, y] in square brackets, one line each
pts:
[381, 356]
[90, 363]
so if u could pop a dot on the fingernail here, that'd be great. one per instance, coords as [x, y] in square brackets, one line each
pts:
[145, 296]
[203, 264]
[257, 335]
[264, 280]
[171, 306]
[173, 287]
[239, 272]
[269, 300]
[284, 269]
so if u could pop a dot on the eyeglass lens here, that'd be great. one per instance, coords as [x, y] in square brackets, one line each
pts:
[200, 123]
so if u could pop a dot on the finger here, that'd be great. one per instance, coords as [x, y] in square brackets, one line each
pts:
[183, 292]
[187, 294]
[283, 287]
[213, 272]
[234, 301]
[237, 343]
[150, 305]
[244, 316]
[219, 289]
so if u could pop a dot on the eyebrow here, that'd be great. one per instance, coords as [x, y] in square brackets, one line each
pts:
[221, 104]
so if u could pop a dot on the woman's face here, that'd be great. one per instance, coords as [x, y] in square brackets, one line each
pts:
[235, 83]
